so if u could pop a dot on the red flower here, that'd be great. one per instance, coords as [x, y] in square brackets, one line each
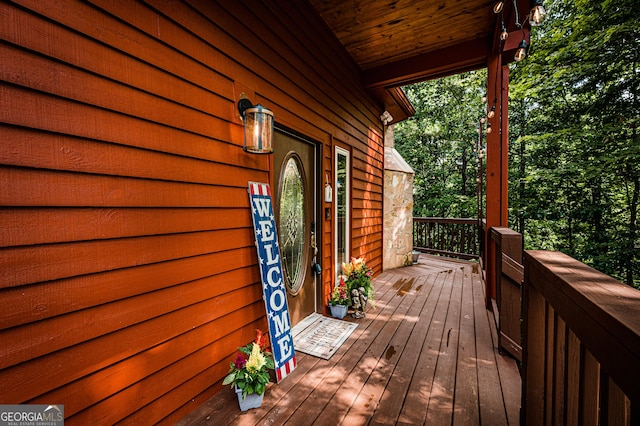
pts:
[240, 362]
[260, 340]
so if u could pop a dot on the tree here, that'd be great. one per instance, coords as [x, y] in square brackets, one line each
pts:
[439, 141]
[574, 155]
[576, 99]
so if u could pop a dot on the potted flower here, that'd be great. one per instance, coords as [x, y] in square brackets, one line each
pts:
[359, 285]
[339, 299]
[249, 373]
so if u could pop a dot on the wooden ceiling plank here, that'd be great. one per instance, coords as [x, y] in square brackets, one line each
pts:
[409, 35]
[380, 32]
[397, 42]
[371, 14]
[461, 19]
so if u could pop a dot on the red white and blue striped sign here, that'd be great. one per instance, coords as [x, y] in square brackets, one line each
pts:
[275, 294]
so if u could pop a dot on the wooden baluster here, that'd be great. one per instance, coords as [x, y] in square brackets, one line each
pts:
[590, 392]
[616, 409]
[549, 364]
[533, 355]
[560, 371]
[572, 379]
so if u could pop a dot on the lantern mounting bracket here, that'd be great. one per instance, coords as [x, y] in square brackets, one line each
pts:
[244, 104]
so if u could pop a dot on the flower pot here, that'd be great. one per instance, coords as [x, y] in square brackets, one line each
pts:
[338, 311]
[252, 400]
[414, 256]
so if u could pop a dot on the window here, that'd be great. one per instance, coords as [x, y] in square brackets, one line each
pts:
[291, 221]
[342, 207]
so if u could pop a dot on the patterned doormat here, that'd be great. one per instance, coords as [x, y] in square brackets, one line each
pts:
[321, 336]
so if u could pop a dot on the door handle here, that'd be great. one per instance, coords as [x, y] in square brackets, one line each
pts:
[315, 266]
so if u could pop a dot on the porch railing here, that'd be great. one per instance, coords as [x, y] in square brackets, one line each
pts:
[581, 347]
[509, 277]
[446, 236]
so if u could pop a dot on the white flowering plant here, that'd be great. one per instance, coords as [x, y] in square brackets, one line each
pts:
[250, 371]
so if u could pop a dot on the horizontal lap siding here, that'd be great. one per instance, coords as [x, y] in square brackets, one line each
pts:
[128, 270]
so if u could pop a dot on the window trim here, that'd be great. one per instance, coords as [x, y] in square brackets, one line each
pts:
[342, 152]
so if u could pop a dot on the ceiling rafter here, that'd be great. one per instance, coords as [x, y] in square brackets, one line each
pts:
[399, 42]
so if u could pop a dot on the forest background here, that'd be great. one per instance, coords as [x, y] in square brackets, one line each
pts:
[574, 148]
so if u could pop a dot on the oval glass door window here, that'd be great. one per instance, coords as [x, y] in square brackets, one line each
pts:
[291, 222]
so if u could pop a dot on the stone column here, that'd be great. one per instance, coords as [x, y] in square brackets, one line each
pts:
[398, 205]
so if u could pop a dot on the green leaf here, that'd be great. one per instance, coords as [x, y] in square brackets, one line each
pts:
[229, 379]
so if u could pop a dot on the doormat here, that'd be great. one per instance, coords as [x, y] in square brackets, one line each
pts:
[321, 336]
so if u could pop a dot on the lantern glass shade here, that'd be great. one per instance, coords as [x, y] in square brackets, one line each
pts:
[521, 53]
[537, 14]
[258, 130]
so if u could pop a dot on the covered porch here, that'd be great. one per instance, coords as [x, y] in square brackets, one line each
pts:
[427, 354]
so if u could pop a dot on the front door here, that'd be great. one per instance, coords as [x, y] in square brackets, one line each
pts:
[295, 203]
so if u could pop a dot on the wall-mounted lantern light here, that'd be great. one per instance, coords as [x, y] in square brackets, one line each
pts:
[386, 118]
[258, 127]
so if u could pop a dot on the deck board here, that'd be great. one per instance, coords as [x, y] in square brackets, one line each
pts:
[466, 411]
[426, 355]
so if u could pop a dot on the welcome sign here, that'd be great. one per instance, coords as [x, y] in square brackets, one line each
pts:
[275, 294]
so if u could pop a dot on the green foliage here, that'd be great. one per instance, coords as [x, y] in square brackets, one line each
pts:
[250, 371]
[340, 294]
[439, 141]
[574, 149]
[358, 275]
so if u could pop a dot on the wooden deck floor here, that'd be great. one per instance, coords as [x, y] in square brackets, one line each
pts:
[426, 355]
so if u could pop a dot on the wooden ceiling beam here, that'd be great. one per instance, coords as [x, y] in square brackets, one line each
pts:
[466, 56]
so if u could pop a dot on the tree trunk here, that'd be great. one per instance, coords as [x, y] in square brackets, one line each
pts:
[631, 243]
[634, 177]
[521, 185]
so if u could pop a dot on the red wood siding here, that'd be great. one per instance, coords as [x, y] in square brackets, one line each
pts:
[127, 267]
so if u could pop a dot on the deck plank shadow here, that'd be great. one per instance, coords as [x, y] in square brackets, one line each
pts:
[427, 354]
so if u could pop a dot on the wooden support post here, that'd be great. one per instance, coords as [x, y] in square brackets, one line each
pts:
[497, 161]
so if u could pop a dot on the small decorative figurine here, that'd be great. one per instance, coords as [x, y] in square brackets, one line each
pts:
[359, 302]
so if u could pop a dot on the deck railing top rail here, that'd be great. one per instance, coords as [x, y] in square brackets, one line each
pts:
[575, 313]
[452, 220]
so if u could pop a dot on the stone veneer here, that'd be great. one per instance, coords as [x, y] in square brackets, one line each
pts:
[398, 205]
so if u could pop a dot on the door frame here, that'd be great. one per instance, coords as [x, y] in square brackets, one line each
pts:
[316, 209]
